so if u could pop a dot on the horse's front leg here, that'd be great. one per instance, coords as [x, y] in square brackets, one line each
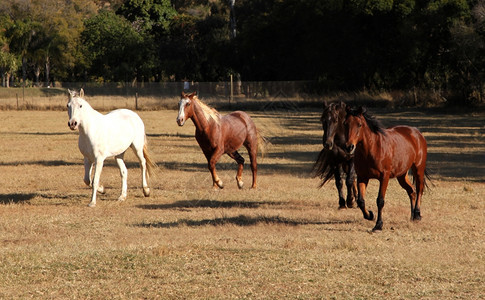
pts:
[98, 166]
[362, 185]
[88, 167]
[240, 162]
[124, 177]
[350, 182]
[380, 201]
[216, 181]
[339, 185]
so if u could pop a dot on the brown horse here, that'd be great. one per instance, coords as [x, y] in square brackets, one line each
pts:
[383, 154]
[218, 134]
[333, 160]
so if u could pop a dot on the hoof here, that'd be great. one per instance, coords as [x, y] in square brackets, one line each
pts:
[350, 204]
[416, 218]
[101, 189]
[92, 204]
[240, 183]
[342, 207]
[121, 198]
[370, 217]
[146, 192]
[378, 227]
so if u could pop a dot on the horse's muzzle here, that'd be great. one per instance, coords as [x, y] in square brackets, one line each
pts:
[328, 145]
[351, 149]
[72, 124]
[180, 121]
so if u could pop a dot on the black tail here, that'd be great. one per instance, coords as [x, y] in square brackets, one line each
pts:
[427, 178]
[323, 167]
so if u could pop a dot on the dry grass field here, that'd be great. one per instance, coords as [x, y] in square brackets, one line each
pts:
[287, 239]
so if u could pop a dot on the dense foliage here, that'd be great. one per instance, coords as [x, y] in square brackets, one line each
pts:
[344, 44]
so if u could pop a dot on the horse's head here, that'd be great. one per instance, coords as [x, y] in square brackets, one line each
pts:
[186, 108]
[354, 122]
[75, 108]
[332, 116]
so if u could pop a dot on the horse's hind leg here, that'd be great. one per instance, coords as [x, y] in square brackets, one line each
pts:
[253, 153]
[124, 177]
[419, 176]
[144, 171]
[240, 161]
[407, 185]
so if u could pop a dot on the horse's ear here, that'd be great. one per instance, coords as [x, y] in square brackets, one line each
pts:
[191, 95]
[81, 93]
[182, 95]
[72, 94]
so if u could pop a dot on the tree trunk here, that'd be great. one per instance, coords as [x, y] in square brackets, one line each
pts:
[47, 70]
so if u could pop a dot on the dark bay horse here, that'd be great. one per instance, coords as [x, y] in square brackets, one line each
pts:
[383, 154]
[333, 159]
[218, 134]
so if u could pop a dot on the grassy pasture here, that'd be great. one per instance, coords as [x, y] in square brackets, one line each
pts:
[284, 240]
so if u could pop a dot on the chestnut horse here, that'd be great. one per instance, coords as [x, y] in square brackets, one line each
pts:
[218, 134]
[383, 154]
[333, 160]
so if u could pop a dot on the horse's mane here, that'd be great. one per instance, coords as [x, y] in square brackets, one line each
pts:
[374, 124]
[209, 112]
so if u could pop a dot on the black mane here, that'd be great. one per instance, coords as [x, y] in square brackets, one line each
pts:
[374, 124]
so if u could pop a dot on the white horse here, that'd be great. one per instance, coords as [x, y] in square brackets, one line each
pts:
[102, 136]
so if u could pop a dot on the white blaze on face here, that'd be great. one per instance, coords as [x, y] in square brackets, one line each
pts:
[181, 116]
[73, 110]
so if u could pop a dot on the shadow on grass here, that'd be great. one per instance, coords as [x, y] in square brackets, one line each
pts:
[16, 198]
[206, 204]
[240, 220]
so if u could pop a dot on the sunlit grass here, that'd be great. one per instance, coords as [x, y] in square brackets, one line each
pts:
[287, 239]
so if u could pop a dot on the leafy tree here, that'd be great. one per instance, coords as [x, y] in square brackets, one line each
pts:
[114, 48]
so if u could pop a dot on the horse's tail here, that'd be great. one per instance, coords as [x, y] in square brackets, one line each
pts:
[323, 167]
[262, 143]
[426, 179]
[151, 165]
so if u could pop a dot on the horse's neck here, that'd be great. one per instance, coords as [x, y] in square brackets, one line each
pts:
[200, 120]
[371, 142]
[91, 122]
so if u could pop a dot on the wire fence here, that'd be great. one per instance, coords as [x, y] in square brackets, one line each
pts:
[162, 95]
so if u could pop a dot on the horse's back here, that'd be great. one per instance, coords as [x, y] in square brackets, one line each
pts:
[409, 142]
[238, 120]
[238, 128]
[409, 134]
[124, 127]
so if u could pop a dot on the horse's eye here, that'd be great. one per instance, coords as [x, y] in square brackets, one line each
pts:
[81, 106]
[360, 125]
[188, 103]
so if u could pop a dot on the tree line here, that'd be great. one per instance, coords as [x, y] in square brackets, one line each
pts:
[373, 45]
